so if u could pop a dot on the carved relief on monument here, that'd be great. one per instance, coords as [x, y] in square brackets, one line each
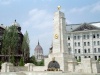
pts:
[53, 65]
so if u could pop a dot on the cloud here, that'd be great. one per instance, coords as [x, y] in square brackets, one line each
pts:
[39, 26]
[96, 7]
[39, 19]
[6, 2]
[78, 10]
[89, 8]
[68, 21]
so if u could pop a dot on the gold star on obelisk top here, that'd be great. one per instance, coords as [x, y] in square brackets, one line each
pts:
[59, 8]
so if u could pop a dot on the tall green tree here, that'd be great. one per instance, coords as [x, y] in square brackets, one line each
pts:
[25, 47]
[33, 60]
[4, 43]
[10, 42]
[41, 63]
[21, 62]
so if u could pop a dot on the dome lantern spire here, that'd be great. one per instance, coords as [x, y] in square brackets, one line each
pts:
[38, 42]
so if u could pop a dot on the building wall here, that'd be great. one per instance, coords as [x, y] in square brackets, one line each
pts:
[38, 55]
[84, 43]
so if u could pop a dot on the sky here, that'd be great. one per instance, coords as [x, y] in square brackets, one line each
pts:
[36, 17]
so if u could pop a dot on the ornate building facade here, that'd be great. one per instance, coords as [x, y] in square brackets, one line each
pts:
[84, 40]
[38, 52]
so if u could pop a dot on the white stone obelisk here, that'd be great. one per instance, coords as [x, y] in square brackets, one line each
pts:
[59, 35]
[60, 51]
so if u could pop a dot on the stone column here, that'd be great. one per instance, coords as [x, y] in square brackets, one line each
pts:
[82, 46]
[91, 45]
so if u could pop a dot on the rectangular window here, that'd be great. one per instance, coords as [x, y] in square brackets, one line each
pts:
[97, 35]
[88, 43]
[74, 37]
[95, 57]
[87, 36]
[84, 36]
[69, 50]
[76, 57]
[75, 50]
[78, 43]
[94, 43]
[78, 37]
[85, 51]
[78, 50]
[99, 50]
[68, 37]
[75, 44]
[85, 56]
[68, 44]
[88, 50]
[94, 36]
[84, 43]
[94, 50]
[98, 42]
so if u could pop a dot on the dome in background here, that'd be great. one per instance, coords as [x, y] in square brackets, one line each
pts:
[38, 48]
[2, 26]
[38, 53]
[16, 24]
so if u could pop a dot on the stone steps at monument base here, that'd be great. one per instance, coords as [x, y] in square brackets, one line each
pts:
[44, 73]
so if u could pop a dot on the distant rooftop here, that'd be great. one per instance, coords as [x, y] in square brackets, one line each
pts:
[71, 27]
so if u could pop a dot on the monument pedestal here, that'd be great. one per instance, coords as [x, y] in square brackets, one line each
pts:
[59, 57]
[63, 59]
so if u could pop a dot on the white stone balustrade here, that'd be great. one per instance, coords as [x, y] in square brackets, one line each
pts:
[30, 66]
[7, 67]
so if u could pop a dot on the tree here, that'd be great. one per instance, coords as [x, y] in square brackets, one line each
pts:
[79, 60]
[21, 62]
[0, 64]
[37, 63]
[4, 43]
[33, 60]
[42, 63]
[25, 47]
[10, 42]
[12, 59]
[99, 59]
